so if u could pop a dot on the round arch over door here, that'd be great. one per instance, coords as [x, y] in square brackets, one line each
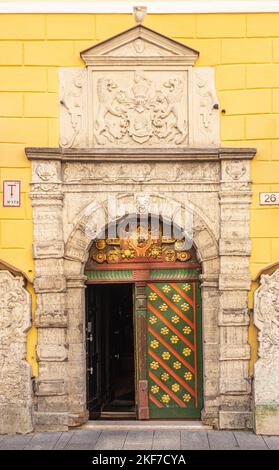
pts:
[167, 317]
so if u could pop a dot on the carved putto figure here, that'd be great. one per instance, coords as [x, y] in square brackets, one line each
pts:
[146, 112]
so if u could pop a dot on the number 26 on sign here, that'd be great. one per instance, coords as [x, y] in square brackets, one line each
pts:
[269, 199]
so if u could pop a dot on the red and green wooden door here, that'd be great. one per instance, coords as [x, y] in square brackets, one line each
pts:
[174, 355]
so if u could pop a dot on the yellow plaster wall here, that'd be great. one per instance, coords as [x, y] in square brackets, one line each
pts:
[243, 48]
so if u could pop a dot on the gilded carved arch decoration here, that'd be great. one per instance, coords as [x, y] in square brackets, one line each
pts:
[79, 242]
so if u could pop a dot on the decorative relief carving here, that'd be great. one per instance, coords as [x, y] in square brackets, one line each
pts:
[139, 246]
[139, 43]
[266, 318]
[45, 188]
[154, 99]
[15, 373]
[266, 372]
[205, 112]
[140, 48]
[46, 172]
[71, 101]
[148, 110]
[145, 172]
[236, 169]
[142, 203]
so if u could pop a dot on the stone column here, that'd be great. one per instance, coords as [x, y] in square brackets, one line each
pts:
[234, 284]
[50, 287]
[266, 372]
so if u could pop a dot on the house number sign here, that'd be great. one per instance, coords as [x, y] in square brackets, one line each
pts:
[11, 193]
[269, 199]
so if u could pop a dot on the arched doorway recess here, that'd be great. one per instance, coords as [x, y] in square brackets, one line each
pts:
[144, 339]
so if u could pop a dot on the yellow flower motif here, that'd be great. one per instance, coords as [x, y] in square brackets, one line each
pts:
[152, 296]
[166, 288]
[187, 330]
[186, 351]
[186, 397]
[175, 387]
[165, 376]
[186, 287]
[154, 365]
[153, 319]
[154, 344]
[163, 307]
[165, 398]
[164, 330]
[177, 365]
[175, 319]
[166, 355]
[174, 339]
[154, 389]
[188, 376]
[185, 307]
[176, 298]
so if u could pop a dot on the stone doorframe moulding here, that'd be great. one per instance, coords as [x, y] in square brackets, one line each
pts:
[69, 191]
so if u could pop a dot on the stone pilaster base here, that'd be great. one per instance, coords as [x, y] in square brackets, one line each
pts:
[266, 419]
[50, 421]
[235, 419]
[16, 419]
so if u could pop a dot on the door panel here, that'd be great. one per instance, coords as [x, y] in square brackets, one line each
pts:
[174, 355]
[93, 353]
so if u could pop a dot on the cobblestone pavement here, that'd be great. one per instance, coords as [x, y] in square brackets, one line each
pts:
[140, 440]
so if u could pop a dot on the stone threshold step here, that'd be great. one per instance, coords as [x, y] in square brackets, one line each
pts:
[143, 425]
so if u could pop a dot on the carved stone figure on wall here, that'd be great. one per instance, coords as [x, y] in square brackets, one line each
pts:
[105, 89]
[15, 372]
[71, 103]
[266, 377]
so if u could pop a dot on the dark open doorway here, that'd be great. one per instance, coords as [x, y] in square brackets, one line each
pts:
[110, 351]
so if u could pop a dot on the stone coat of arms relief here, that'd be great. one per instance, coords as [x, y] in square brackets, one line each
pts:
[146, 111]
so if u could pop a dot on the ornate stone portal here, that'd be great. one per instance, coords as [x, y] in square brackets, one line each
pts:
[266, 377]
[140, 123]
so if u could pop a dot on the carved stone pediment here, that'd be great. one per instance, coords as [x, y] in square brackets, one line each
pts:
[137, 43]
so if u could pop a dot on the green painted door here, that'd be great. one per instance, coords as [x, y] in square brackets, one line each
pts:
[174, 353]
